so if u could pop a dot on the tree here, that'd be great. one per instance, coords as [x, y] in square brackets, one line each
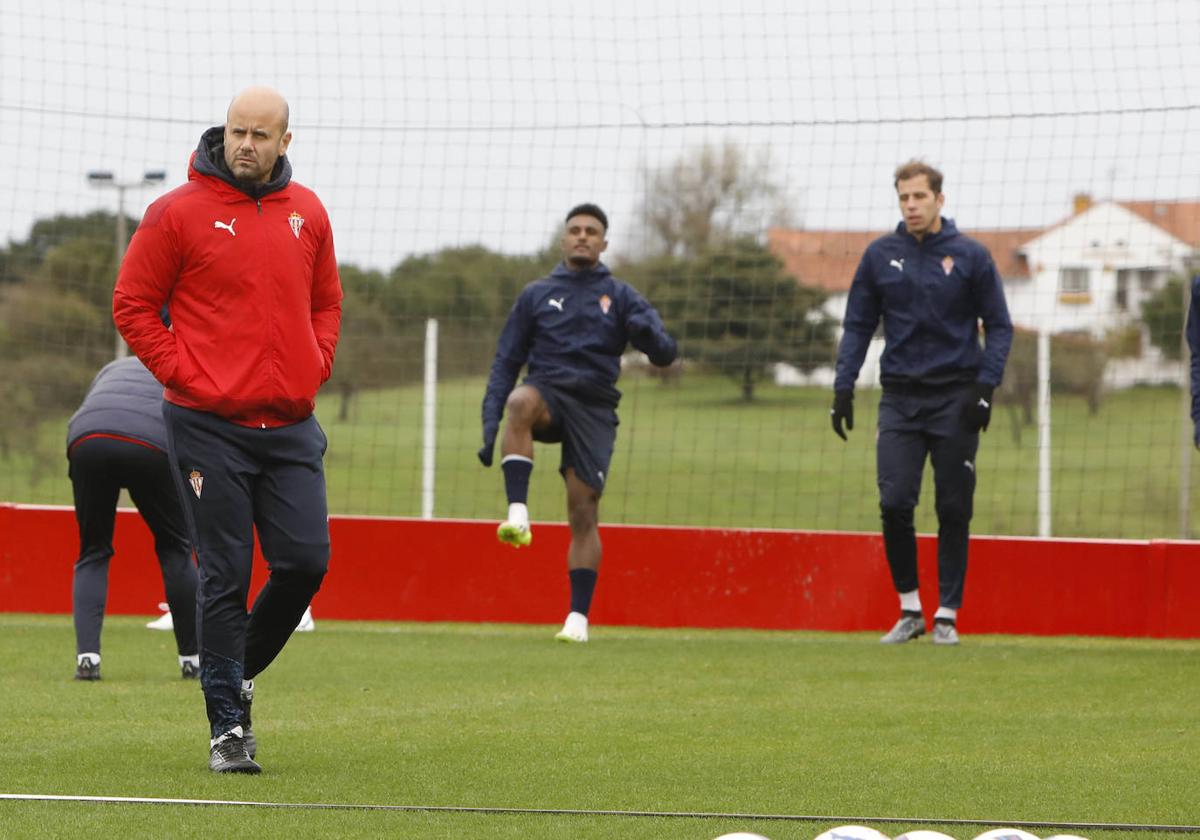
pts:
[56, 326]
[709, 198]
[735, 310]
[371, 352]
[469, 290]
[1164, 313]
[1077, 365]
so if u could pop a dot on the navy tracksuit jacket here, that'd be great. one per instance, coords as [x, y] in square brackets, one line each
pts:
[929, 295]
[571, 328]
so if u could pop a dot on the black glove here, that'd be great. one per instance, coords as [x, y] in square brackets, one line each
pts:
[977, 411]
[842, 411]
[489, 444]
[639, 327]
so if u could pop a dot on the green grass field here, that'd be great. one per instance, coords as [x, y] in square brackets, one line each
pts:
[694, 454]
[1000, 728]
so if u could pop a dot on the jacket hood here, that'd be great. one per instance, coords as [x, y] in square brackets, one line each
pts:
[209, 159]
[949, 229]
[562, 271]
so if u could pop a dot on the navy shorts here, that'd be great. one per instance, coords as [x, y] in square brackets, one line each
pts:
[586, 430]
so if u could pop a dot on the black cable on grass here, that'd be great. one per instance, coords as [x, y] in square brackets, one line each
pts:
[577, 812]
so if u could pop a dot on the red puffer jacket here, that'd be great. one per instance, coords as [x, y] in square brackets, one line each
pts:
[252, 289]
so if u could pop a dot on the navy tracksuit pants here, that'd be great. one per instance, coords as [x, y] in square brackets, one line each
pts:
[913, 426]
[236, 480]
[99, 468]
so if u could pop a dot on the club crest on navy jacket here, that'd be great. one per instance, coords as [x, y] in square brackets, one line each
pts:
[931, 295]
[571, 328]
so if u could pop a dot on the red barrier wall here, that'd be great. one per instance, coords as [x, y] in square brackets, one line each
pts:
[449, 570]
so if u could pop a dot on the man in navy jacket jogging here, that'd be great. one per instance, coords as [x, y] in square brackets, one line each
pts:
[570, 328]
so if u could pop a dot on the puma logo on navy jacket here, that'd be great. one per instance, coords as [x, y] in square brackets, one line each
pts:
[931, 295]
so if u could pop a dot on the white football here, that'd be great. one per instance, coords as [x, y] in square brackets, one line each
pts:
[924, 834]
[741, 835]
[852, 832]
[1006, 834]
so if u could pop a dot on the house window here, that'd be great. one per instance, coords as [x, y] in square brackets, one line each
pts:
[1074, 285]
[1073, 281]
[1124, 281]
[1148, 279]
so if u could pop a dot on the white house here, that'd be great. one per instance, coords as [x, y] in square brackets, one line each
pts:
[1092, 272]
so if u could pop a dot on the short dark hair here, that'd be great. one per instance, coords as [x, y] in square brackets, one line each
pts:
[588, 210]
[917, 167]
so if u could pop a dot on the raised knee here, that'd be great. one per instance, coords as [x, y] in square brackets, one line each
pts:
[521, 406]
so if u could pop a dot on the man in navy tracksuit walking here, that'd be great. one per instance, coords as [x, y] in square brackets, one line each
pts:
[932, 287]
[117, 439]
[571, 328]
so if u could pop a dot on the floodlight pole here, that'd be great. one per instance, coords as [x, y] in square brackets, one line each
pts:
[105, 179]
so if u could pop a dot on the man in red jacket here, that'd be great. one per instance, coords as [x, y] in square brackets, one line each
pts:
[243, 258]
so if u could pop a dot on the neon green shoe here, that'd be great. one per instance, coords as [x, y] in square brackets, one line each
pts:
[514, 534]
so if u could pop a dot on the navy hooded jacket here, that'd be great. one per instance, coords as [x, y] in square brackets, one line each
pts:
[571, 328]
[931, 295]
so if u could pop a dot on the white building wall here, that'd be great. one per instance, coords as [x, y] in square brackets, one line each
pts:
[1103, 240]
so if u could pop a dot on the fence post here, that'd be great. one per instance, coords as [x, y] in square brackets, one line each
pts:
[1185, 421]
[1043, 424]
[429, 420]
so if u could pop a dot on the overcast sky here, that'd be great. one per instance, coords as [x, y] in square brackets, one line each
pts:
[440, 122]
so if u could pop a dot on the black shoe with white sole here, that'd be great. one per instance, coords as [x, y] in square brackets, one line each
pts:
[228, 755]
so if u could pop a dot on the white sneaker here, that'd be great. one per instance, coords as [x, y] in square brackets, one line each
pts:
[164, 621]
[306, 624]
[574, 629]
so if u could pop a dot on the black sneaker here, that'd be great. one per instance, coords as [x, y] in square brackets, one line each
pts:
[247, 732]
[87, 670]
[228, 755]
[188, 671]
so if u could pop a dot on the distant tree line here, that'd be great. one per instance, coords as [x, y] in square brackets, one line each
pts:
[720, 291]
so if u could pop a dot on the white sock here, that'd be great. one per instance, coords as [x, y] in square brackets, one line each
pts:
[237, 730]
[518, 514]
[194, 659]
[910, 601]
[945, 612]
[94, 657]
